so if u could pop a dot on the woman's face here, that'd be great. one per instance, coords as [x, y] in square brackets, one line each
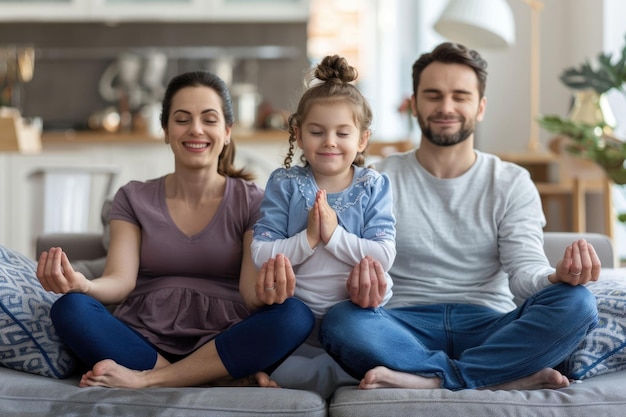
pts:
[196, 129]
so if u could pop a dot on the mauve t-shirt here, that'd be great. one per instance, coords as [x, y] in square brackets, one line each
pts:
[187, 286]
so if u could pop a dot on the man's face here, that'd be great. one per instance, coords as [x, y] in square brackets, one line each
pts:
[446, 103]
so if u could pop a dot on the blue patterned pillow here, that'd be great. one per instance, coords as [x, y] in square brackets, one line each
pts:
[604, 348]
[28, 341]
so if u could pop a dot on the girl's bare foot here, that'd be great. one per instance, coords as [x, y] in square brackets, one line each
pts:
[382, 377]
[108, 373]
[545, 379]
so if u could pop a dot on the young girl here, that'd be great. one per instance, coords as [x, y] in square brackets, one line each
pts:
[330, 213]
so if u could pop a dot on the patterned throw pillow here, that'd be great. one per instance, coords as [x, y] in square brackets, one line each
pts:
[28, 340]
[604, 348]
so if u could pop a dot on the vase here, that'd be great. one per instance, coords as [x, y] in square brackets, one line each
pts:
[592, 108]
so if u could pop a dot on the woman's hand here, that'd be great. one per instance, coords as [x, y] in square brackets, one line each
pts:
[276, 281]
[366, 284]
[55, 273]
[580, 264]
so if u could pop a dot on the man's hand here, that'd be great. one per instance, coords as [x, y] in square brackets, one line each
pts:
[366, 284]
[580, 264]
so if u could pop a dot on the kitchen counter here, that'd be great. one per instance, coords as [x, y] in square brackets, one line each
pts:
[87, 137]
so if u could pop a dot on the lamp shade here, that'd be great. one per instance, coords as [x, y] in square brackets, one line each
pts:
[478, 23]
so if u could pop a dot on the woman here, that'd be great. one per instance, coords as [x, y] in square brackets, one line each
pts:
[179, 264]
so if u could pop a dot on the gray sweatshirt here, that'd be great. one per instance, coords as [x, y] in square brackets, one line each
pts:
[475, 239]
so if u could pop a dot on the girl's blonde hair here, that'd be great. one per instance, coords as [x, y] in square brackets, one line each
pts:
[330, 81]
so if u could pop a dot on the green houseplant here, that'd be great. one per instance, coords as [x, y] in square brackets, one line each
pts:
[593, 141]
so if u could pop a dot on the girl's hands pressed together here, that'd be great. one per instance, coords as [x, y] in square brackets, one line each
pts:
[322, 220]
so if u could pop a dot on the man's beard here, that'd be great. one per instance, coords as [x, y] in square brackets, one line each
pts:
[452, 139]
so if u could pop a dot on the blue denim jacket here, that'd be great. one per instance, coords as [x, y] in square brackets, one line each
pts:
[365, 208]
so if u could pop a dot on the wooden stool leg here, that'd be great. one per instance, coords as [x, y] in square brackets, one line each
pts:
[609, 212]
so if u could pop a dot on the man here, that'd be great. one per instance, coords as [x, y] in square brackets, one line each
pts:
[469, 240]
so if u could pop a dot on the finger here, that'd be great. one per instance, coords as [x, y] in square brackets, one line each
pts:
[364, 284]
[566, 262]
[291, 278]
[352, 283]
[267, 269]
[41, 265]
[382, 283]
[576, 267]
[595, 262]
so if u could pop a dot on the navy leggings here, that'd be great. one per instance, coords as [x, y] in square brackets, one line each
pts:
[257, 343]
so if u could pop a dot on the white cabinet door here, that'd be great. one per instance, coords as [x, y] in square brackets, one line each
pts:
[150, 10]
[261, 10]
[154, 10]
[37, 10]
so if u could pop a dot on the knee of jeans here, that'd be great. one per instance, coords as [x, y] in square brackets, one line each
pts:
[581, 301]
[68, 306]
[337, 314]
[299, 314]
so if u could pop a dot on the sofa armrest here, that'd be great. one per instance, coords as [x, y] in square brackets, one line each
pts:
[77, 246]
[554, 244]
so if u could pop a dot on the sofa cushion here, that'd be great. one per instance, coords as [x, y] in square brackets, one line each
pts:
[25, 395]
[604, 348]
[28, 340]
[599, 396]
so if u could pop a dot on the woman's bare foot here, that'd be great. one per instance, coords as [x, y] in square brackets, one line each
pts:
[545, 379]
[108, 373]
[382, 377]
[260, 379]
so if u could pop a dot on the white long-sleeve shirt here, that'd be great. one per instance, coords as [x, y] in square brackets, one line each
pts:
[366, 227]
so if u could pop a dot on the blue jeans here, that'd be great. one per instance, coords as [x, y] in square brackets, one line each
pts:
[257, 343]
[466, 346]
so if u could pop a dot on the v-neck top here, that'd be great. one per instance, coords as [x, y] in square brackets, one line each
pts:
[187, 286]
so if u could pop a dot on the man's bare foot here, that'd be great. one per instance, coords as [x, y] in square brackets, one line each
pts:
[382, 377]
[108, 373]
[545, 379]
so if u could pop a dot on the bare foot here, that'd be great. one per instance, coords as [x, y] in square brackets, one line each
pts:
[382, 377]
[545, 379]
[260, 379]
[108, 373]
[264, 380]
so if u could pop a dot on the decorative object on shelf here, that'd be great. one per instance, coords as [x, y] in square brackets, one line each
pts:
[490, 23]
[18, 134]
[17, 65]
[588, 130]
[590, 83]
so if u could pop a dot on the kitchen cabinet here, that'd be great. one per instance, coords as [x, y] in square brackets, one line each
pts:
[154, 10]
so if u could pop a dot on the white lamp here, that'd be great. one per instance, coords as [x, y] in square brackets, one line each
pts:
[485, 23]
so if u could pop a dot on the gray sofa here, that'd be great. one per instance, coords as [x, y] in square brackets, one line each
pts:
[23, 394]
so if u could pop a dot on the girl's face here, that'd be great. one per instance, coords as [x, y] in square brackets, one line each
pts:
[196, 129]
[330, 138]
